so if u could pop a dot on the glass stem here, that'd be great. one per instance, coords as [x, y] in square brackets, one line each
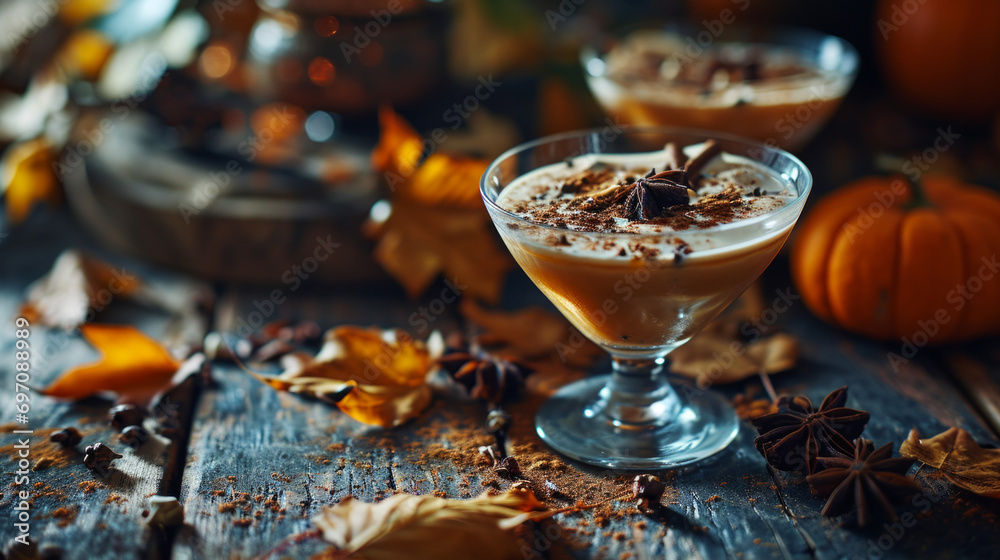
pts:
[638, 393]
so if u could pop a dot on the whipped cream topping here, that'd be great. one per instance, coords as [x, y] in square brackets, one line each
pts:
[730, 188]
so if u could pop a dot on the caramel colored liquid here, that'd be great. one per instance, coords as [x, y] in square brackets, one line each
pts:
[788, 125]
[644, 307]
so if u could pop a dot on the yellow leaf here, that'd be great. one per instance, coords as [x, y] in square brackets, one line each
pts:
[431, 528]
[376, 377]
[27, 177]
[438, 224]
[131, 363]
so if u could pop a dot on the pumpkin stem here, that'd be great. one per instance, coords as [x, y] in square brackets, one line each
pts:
[894, 164]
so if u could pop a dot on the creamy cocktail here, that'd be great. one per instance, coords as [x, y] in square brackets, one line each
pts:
[640, 238]
[780, 89]
[646, 292]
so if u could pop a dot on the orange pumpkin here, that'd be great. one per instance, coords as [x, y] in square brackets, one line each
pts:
[941, 56]
[891, 259]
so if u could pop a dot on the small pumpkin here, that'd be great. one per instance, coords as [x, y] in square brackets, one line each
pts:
[891, 258]
[940, 56]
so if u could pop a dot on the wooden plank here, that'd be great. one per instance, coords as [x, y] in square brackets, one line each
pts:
[275, 446]
[260, 462]
[977, 373]
[86, 515]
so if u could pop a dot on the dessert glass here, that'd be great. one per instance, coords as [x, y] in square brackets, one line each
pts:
[784, 111]
[634, 418]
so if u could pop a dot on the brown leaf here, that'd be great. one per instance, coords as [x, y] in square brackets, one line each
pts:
[376, 377]
[430, 528]
[957, 455]
[131, 364]
[532, 334]
[75, 285]
[718, 355]
[27, 177]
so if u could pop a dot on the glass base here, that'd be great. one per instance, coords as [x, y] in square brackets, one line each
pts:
[692, 425]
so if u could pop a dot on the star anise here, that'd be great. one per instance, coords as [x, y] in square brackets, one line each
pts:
[872, 482]
[486, 377]
[646, 198]
[794, 437]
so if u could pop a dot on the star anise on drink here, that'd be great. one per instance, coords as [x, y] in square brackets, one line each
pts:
[873, 482]
[645, 198]
[489, 378]
[651, 194]
[793, 438]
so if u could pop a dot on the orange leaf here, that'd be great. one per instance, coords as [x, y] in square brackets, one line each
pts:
[447, 180]
[131, 363]
[960, 458]
[400, 148]
[27, 177]
[376, 377]
[438, 223]
[416, 243]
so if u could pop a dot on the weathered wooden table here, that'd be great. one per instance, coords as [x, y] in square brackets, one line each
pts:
[256, 464]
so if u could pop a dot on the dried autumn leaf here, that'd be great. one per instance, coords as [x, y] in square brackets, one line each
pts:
[399, 148]
[532, 334]
[131, 363]
[445, 180]
[416, 243]
[428, 527]
[957, 455]
[374, 376]
[27, 177]
[437, 224]
[76, 284]
[718, 354]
